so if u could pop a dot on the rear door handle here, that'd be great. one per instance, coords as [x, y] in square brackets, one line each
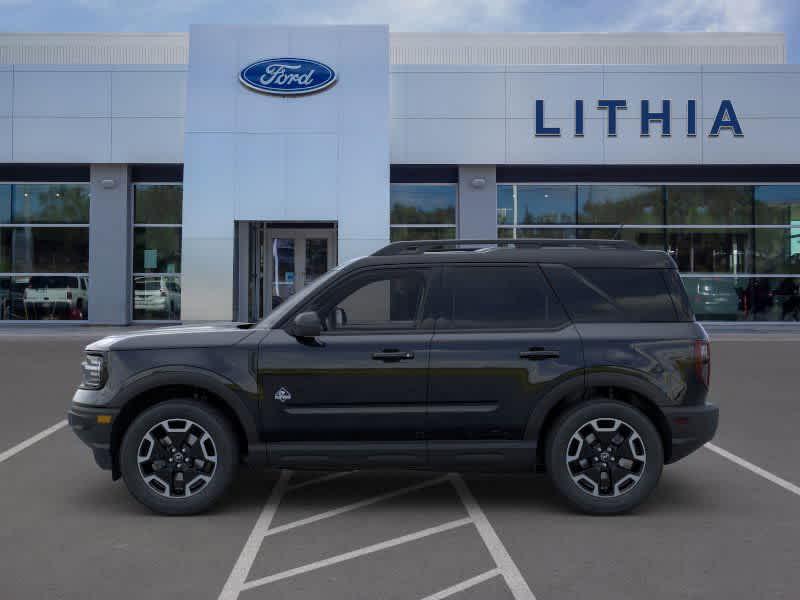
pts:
[539, 354]
[392, 355]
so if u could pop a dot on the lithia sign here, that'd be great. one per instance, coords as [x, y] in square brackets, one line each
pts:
[726, 119]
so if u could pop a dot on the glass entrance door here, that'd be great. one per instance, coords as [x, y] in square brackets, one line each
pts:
[283, 261]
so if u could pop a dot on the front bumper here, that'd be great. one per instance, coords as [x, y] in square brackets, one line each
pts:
[94, 432]
[692, 426]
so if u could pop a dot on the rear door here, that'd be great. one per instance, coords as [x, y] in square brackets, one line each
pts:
[502, 341]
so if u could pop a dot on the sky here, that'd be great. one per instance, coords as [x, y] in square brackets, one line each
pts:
[413, 15]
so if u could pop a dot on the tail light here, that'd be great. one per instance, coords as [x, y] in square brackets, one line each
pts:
[702, 361]
[163, 293]
[69, 294]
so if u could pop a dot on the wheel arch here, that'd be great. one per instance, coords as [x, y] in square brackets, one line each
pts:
[623, 387]
[149, 389]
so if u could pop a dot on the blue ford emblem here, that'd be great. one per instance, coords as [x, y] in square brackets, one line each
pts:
[287, 76]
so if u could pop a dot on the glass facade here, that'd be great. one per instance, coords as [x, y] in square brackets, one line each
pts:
[737, 246]
[423, 211]
[157, 217]
[44, 251]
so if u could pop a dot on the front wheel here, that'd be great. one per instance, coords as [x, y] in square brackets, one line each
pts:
[605, 457]
[178, 457]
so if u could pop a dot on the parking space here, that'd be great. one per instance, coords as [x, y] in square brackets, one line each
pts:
[712, 529]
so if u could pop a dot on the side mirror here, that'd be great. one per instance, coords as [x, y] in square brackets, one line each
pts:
[307, 325]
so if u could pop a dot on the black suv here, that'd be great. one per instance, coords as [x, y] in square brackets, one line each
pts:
[578, 357]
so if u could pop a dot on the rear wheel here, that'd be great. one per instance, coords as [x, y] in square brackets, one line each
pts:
[605, 457]
[178, 457]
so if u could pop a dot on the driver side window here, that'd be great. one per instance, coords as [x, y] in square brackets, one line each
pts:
[391, 299]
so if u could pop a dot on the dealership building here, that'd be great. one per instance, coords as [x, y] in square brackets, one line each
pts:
[208, 175]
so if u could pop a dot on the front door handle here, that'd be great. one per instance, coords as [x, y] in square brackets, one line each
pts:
[392, 355]
[539, 354]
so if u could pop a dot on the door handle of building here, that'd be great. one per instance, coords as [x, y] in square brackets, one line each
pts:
[539, 354]
[392, 356]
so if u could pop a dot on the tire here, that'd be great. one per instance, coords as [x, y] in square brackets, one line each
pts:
[641, 452]
[174, 421]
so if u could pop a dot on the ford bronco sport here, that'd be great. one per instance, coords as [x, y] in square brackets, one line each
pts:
[581, 358]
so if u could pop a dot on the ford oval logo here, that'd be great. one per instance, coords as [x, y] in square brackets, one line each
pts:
[287, 76]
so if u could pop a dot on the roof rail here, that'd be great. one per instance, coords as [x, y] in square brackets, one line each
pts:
[423, 246]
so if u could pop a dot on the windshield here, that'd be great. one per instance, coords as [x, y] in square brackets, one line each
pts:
[287, 305]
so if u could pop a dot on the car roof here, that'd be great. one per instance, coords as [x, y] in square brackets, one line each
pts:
[574, 253]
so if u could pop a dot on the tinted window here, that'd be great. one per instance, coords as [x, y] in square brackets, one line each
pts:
[45, 203]
[630, 204]
[161, 204]
[489, 297]
[679, 298]
[390, 299]
[613, 295]
[44, 249]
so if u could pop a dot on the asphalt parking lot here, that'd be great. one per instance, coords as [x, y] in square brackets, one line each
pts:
[713, 528]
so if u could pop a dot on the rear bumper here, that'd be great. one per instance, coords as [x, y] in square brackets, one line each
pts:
[692, 426]
[83, 420]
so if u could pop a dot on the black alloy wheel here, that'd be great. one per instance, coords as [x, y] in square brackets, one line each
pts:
[179, 456]
[604, 456]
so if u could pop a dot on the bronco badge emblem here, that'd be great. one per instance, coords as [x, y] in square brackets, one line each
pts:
[283, 395]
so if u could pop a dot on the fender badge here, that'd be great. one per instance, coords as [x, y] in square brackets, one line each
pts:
[283, 395]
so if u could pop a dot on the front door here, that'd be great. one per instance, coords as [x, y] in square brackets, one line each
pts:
[365, 378]
[502, 341]
[283, 260]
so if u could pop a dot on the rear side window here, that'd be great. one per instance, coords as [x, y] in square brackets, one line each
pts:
[613, 295]
[679, 297]
[499, 297]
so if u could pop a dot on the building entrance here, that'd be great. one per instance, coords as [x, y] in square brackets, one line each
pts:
[283, 259]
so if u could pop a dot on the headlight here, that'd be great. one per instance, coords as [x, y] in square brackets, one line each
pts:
[93, 370]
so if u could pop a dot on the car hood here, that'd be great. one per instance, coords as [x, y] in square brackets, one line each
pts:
[208, 335]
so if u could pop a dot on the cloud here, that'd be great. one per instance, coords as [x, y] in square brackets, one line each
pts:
[705, 15]
[414, 15]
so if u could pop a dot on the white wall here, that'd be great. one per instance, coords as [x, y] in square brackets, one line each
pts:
[485, 114]
[92, 113]
[252, 156]
[440, 114]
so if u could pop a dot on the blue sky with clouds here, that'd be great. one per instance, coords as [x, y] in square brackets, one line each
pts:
[414, 15]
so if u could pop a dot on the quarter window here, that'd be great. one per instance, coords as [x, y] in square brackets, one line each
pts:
[613, 295]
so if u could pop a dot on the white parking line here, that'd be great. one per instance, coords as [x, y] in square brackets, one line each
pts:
[504, 565]
[357, 553]
[464, 585]
[248, 554]
[511, 573]
[4, 456]
[316, 480]
[356, 505]
[788, 486]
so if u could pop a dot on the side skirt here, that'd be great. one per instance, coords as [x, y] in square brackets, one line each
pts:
[457, 455]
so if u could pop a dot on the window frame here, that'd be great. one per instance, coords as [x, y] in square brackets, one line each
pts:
[132, 226]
